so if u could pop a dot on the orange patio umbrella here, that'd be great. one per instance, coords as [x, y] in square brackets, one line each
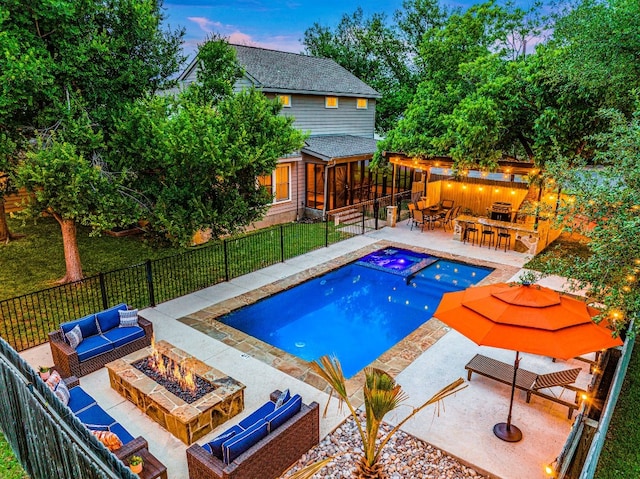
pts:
[525, 318]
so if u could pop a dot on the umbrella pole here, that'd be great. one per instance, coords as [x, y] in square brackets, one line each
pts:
[507, 431]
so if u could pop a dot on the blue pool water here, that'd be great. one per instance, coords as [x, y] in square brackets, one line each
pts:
[356, 312]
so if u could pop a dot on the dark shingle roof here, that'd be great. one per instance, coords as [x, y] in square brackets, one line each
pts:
[339, 146]
[277, 71]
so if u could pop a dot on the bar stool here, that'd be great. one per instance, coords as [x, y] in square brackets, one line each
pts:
[503, 234]
[489, 234]
[470, 229]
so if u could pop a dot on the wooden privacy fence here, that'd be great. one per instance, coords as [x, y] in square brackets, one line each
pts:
[48, 440]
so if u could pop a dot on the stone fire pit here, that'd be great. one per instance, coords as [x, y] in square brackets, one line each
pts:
[187, 422]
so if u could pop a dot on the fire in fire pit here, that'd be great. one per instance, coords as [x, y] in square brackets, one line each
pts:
[174, 376]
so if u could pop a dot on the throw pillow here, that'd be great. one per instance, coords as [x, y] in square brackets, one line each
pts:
[128, 318]
[62, 392]
[54, 380]
[109, 439]
[283, 398]
[74, 337]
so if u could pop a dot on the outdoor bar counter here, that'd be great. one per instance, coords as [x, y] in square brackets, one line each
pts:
[524, 238]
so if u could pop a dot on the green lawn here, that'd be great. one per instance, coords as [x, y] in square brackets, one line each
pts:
[9, 466]
[36, 261]
[620, 457]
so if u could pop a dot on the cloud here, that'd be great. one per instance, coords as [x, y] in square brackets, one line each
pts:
[205, 24]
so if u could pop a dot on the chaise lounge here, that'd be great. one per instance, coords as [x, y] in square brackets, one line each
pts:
[103, 337]
[263, 445]
[527, 381]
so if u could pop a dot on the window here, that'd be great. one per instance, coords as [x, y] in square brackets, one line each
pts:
[285, 100]
[331, 102]
[362, 103]
[278, 183]
[282, 183]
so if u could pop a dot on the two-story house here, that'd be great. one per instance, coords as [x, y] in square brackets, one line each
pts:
[335, 108]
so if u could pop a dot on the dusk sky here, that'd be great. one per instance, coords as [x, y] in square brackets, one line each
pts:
[273, 24]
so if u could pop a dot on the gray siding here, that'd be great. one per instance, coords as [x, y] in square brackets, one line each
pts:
[311, 115]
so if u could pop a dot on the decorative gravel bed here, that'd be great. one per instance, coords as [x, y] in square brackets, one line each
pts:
[404, 457]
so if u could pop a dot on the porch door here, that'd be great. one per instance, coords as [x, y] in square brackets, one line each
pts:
[341, 188]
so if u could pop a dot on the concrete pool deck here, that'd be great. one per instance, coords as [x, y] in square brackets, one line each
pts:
[422, 365]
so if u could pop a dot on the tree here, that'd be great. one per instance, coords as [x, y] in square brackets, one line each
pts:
[101, 55]
[473, 102]
[71, 188]
[382, 395]
[197, 156]
[604, 206]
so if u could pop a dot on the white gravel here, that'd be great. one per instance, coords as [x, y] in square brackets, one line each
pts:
[404, 457]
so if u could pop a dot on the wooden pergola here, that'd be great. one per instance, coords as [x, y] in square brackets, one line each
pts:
[509, 167]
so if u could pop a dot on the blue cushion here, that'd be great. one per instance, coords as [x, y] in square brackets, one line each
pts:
[95, 417]
[88, 326]
[257, 415]
[281, 415]
[215, 446]
[79, 399]
[120, 336]
[239, 443]
[121, 432]
[110, 318]
[92, 346]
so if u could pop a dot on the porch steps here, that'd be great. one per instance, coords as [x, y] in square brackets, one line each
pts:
[348, 217]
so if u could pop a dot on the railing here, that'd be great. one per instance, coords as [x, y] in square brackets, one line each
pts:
[26, 320]
[49, 441]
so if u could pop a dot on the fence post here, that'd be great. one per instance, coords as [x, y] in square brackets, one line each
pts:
[326, 231]
[364, 212]
[376, 206]
[103, 291]
[226, 260]
[152, 295]
[282, 243]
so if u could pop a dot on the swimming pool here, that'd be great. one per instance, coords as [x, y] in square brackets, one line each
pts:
[358, 311]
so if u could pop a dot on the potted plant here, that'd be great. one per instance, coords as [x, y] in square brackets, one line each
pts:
[135, 464]
[44, 372]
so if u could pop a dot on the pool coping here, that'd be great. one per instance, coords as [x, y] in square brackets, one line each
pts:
[394, 360]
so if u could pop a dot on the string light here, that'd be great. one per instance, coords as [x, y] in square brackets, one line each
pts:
[550, 469]
[497, 190]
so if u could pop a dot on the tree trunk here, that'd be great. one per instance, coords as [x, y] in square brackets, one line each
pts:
[5, 234]
[71, 252]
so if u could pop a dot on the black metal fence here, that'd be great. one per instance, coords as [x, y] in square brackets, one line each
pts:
[47, 439]
[26, 320]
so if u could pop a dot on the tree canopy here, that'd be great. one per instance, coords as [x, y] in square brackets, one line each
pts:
[101, 55]
[197, 156]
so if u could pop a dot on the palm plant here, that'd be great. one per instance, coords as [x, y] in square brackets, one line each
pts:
[381, 395]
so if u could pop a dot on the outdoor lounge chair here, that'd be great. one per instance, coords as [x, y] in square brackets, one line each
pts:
[527, 381]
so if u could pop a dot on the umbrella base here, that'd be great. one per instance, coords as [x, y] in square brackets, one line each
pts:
[509, 433]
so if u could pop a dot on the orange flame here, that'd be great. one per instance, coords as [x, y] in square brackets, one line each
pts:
[172, 370]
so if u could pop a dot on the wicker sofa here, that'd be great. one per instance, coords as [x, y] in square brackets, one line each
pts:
[281, 443]
[103, 341]
[85, 408]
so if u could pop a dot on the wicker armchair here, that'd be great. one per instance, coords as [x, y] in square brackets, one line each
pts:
[269, 457]
[66, 358]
